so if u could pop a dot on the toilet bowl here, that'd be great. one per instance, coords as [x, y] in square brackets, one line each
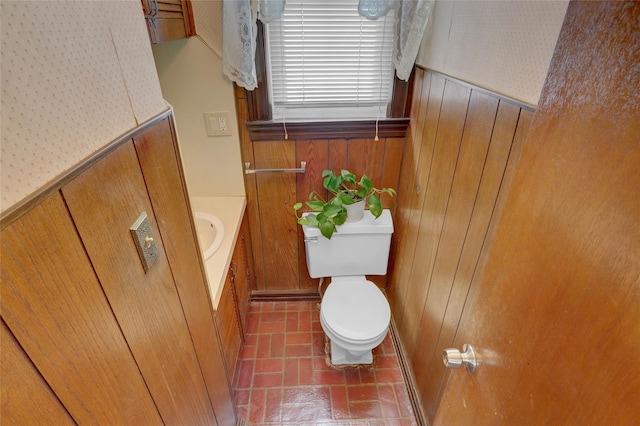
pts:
[355, 315]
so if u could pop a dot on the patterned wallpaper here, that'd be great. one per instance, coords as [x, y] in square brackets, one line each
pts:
[74, 76]
[503, 46]
[208, 18]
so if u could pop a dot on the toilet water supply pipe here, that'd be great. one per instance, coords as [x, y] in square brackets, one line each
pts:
[320, 288]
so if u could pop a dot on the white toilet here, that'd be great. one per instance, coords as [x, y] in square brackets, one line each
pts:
[354, 313]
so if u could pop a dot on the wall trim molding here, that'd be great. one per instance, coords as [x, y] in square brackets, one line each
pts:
[360, 129]
[412, 389]
[472, 86]
[284, 296]
[14, 212]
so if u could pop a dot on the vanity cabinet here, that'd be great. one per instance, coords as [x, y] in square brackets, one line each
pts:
[233, 307]
[89, 335]
[168, 20]
[229, 324]
[242, 277]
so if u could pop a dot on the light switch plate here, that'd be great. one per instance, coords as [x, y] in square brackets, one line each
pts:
[217, 123]
[143, 239]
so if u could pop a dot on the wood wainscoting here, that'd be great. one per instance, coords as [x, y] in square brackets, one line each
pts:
[452, 171]
[277, 240]
[92, 336]
[461, 150]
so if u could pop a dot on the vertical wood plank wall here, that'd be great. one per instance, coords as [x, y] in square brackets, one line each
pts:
[25, 393]
[62, 320]
[153, 296]
[87, 335]
[451, 172]
[461, 147]
[276, 238]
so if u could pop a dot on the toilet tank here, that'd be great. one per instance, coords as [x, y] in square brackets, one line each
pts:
[358, 248]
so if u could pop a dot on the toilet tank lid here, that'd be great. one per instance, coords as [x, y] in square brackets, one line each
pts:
[367, 225]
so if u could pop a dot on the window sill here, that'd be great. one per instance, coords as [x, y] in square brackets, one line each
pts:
[360, 129]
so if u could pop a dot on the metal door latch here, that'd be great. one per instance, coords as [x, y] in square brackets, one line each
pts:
[453, 358]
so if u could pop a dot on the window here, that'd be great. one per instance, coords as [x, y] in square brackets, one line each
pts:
[324, 61]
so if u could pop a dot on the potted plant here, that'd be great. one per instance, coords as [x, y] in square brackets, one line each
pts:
[346, 192]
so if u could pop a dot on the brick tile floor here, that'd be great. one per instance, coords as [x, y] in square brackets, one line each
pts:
[284, 377]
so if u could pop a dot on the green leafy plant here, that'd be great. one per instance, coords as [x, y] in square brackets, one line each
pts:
[345, 189]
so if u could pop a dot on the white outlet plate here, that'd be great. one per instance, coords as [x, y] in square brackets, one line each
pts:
[217, 123]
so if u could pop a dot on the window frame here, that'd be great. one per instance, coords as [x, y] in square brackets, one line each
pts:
[262, 127]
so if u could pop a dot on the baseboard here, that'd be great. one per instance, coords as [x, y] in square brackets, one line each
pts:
[284, 296]
[408, 377]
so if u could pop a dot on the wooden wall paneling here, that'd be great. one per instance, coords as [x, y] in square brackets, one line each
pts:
[448, 139]
[338, 154]
[503, 149]
[251, 189]
[316, 154]
[393, 150]
[25, 396]
[422, 158]
[400, 219]
[441, 243]
[400, 216]
[104, 202]
[558, 300]
[457, 215]
[276, 197]
[421, 84]
[365, 157]
[466, 180]
[359, 155]
[53, 304]
[159, 160]
[387, 177]
[406, 187]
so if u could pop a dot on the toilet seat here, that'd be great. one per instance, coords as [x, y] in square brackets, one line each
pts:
[355, 309]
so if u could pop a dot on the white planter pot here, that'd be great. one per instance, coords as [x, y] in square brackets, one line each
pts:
[355, 211]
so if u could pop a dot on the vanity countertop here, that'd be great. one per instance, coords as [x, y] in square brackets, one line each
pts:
[230, 211]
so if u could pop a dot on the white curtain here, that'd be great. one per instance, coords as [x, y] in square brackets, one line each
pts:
[412, 17]
[239, 37]
[374, 9]
[239, 32]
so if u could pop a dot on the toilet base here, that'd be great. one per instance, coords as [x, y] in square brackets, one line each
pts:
[340, 356]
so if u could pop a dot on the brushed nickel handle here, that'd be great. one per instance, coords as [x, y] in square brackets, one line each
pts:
[453, 358]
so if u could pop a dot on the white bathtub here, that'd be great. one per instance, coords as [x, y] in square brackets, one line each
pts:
[229, 210]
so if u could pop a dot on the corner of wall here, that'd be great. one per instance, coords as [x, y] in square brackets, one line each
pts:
[75, 76]
[505, 47]
[192, 82]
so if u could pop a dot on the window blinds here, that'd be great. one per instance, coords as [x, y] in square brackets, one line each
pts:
[327, 61]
